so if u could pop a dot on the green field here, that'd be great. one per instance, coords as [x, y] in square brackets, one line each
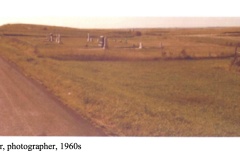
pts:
[184, 88]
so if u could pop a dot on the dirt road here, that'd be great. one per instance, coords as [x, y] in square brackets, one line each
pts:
[26, 109]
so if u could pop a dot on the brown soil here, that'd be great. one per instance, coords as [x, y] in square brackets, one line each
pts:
[28, 109]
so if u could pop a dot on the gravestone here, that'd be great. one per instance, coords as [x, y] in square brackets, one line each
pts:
[140, 45]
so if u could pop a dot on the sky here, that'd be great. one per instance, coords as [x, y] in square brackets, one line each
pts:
[121, 13]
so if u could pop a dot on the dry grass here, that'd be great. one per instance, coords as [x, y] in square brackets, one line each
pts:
[136, 92]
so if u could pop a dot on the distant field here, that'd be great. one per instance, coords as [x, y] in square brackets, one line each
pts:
[179, 84]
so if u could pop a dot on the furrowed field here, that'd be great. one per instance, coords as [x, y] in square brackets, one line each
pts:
[179, 84]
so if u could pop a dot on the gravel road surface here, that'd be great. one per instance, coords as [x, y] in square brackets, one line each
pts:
[27, 109]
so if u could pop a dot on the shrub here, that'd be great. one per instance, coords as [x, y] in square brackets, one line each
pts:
[184, 54]
[138, 33]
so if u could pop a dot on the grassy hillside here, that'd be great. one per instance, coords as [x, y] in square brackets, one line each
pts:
[179, 84]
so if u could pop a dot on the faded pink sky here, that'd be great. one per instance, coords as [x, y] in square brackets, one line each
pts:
[129, 22]
[121, 13]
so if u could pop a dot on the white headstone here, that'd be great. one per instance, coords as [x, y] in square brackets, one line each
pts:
[105, 45]
[88, 39]
[58, 38]
[140, 45]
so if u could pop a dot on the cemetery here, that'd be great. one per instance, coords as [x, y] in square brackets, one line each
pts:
[136, 82]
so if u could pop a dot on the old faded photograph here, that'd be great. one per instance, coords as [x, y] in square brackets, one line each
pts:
[120, 76]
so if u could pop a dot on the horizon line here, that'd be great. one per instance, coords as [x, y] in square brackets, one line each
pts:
[173, 27]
